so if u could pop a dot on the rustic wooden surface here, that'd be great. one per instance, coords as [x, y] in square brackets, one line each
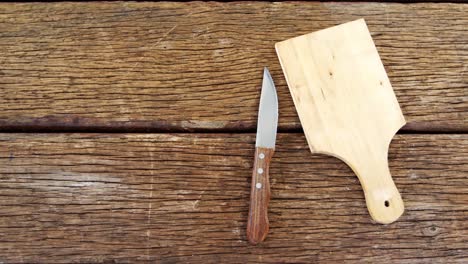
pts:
[123, 198]
[183, 198]
[188, 66]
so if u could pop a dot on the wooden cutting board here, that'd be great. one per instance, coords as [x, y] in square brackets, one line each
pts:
[347, 106]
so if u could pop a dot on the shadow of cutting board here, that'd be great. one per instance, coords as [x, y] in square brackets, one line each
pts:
[347, 106]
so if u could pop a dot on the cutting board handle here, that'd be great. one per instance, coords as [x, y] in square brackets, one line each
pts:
[382, 197]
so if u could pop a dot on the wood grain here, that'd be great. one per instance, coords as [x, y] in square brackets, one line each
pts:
[119, 66]
[124, 198]
[260, 193]
[347, 106]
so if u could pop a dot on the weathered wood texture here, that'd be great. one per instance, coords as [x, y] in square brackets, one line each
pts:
[93, 198]
[198, 65]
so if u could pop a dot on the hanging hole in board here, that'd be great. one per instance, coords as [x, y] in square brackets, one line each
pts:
[387, 203]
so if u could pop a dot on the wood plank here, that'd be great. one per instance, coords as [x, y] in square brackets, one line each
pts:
[198, 66]
[184, 198]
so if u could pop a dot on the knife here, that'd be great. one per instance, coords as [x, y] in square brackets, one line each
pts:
[257, 224]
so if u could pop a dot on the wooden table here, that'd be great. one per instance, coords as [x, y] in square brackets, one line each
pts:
[128, 135]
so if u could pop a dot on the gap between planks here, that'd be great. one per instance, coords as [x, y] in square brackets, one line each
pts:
[149, 130]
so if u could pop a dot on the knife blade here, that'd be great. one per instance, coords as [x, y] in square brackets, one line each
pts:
[257, 224]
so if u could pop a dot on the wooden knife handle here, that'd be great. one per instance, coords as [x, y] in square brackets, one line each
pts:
[257, 224]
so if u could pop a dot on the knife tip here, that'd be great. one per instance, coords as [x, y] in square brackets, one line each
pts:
[266, 73]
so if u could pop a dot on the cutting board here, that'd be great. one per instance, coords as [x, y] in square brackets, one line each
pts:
[347, 106]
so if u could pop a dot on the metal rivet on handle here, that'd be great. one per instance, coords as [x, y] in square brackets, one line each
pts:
[260, 170]
[258, 185]
[261, 156]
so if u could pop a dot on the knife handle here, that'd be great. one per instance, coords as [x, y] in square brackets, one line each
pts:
[257, 224]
